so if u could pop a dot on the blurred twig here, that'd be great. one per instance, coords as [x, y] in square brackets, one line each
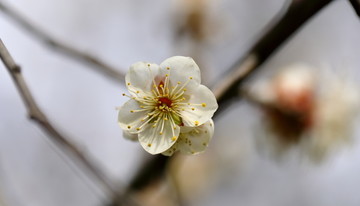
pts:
[39, 117]
[356, 5]
[97, 64]
[280, 30]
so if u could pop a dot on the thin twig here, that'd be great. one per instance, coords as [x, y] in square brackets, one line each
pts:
[97, 64]
[356, 5]
[39, 117]
[282, 28]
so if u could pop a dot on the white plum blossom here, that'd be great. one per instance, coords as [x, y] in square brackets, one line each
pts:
[164, 100]
[192, 140]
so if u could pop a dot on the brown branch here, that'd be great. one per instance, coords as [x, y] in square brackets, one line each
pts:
[295, 16]
[356, 5]
[280, 30]
[97, 64]
[39, 117]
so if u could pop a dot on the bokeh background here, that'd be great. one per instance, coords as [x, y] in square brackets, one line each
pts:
[81, 102]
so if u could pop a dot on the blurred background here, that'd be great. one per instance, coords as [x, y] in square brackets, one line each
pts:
[241, 165]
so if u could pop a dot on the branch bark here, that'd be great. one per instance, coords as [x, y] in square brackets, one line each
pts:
[97, 64]
[35, 114]
[279, 31]
[356, 5]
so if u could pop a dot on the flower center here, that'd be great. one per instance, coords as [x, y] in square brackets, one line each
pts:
[164, 101]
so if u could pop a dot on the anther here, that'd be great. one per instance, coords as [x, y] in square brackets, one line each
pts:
[149, 145]
[168, 68]
[138, 129]
[128, 126]
[137, 92]
[132, 111]
[160, 133]
[190, 77]
[203, 104]
[173, 138]
[196, 123]
[193, 109]
[128, 83]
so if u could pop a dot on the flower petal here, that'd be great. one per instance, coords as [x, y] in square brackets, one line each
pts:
[202, 106]
[154, 142]
[140, 76]
[129, 136]
[182, 70]
[193, 142]
[131, 116]
[171, 150]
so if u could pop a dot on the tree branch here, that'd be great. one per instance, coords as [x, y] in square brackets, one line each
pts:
[97, 64]
[296, 15]
[356, 5]
[280, 30]
[39, 117]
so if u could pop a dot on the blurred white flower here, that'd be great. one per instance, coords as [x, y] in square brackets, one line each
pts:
[336, 109]
[164, 99]
[307, 107]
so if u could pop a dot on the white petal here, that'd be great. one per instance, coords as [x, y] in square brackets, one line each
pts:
[154, 142]
[181, 70]
[194, 141]
[202, 107]
[140, 76]
[130, 121]
[171, 150]
[129, 136]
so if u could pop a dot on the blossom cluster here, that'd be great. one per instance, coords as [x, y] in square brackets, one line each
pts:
[169, 109]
